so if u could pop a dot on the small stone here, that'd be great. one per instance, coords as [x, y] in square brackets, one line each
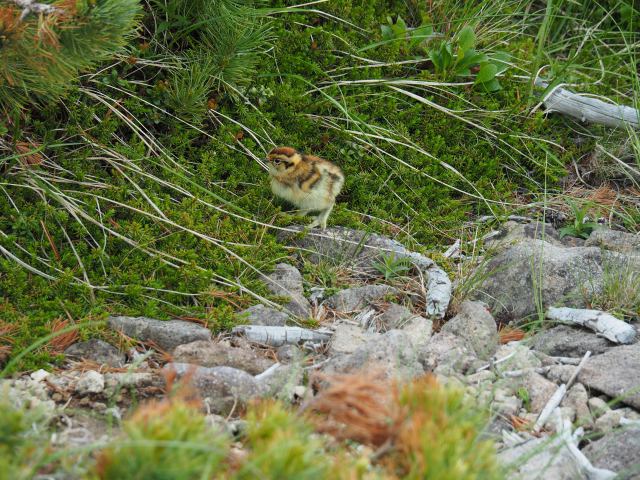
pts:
[280, 381]
[166, 334]
[566, 341]
[97, 351]
[286, 281]
[515, 356]
[618, 451]
[507, 406]
[352, 299]
[261, 315]
[476, 326]
[57, 397]
[445, 349]
[288, 353]
[90, 382]
[99, 406]
[608, 421]
[538, 388]
[577, 398]
[39, 375]
[561, 373]
[598, 407]
[216, 354]
[348, 338]
[84, 402]
[481, 377]
[117, 380]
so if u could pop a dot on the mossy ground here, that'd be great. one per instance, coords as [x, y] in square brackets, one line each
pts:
[85, 138]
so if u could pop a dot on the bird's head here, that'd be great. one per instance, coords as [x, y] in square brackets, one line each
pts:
[283, 159]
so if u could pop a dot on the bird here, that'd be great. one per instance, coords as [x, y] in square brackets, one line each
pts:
[310, 183]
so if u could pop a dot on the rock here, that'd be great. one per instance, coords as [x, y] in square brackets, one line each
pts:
[400, 317]
[117, 380]
[225, 388]
[39, 375]
[356, 298]
[577, 398]
[561, 373]
[348, 338]
[391, 352]
[615, 373]
[97, 351]
[481, 378]
[566, 341]
[286, 281]
[27, 394]
[477, 327]
[608, 421]
[361, 251]
[280, 381]
[515, 357]
[218, 354]
[261, 315]
[506, 405]
[539, 390]
[514, 278]
[90, 382]
[598, 407]
[549, 457]
[445, 350]
[288, 353]
[512, 232]
[165, 334]
[618, 451]
[622, 242]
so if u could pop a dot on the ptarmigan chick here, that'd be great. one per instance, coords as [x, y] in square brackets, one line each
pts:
[310, 183]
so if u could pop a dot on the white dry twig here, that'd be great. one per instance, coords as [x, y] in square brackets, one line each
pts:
[29, 6]
[600, 322]
[277, 336]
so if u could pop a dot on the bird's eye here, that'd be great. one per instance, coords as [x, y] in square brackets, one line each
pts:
[276, 161]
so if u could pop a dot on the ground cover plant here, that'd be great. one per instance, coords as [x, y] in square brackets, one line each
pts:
[132, 174]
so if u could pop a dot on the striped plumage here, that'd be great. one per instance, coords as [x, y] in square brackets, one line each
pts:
[308, 182]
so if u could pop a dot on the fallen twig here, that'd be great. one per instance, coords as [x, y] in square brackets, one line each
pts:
[602, 323]
[278, 336]
[29, 6]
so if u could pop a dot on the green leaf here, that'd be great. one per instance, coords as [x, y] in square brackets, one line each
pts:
[568, 230]
[487, 72]
[492, 85]
[401, 24]
[501, 60]
[387, 33]
[466, 38]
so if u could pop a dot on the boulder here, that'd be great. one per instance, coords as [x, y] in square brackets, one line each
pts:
[347, 338]
[618, 451]
[566, 341]
[97, 351]
[615, 373]
[561, 276]
[286, 281]
[167, 335]
[476, 326]
[221, 354]
[356, 298]
[261, 315]
[615, 240]
[446, 350]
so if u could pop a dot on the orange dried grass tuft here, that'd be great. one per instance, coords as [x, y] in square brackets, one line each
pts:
[510, 334]
[28, 156]
[62, 341]
[361, 407]
[520, 424]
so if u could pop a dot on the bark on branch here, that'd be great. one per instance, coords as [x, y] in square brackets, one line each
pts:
[602, 323]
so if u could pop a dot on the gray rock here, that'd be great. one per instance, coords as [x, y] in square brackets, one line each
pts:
[280, 381]
[362, 250]
[90, 382]
[221, 354]
[622, 242]
[476, 326]
[505, 404]
[261, 315]
[390, 352]
[352, 299]
[165, 334]
[288, 353]
[97, 351]
[539, 390]
[512, 232]
[540, 458]
[577, 398]
[400, 317]
[286, 281]
[515, 357]
[348, 338]
[448, 350]
[566, 341]
[561, 373]
[224, 388]
[608, 421]
[615, 373]
[618, 451]
[598, 407]
[116, 380]
[561, 276]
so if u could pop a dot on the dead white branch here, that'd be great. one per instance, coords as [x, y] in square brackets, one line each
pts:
[278, 336]
[588, 109]
[29, 6]
[600, 322]
[557, 396]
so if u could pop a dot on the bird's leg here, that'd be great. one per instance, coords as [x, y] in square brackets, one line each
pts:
[324, 215]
